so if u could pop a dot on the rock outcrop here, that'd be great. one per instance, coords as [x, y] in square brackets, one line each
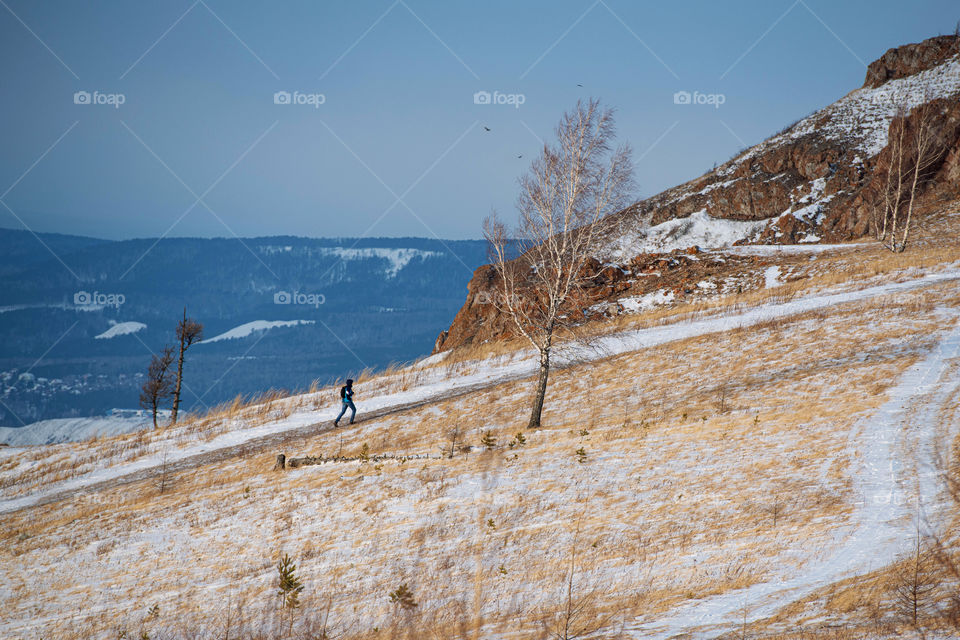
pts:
[817, 180]
[911, 59]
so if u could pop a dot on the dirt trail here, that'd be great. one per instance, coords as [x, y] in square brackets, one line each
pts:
[881, 524]
[272, 442]
[606, 346]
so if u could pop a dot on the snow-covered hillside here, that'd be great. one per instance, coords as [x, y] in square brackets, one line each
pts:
[737, 442]
[396, 259]
[701, 473]
[854, 129]
[70, 430]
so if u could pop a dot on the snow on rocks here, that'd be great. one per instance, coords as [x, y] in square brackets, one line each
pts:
[635, 304]
[698, 229]
[865, 114]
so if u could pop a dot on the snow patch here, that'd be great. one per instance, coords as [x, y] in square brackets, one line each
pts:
[248, 328]
[697, 229]
[635, 304]
[121, 329]
[434, 359]
[771, 277]
[787, 249]
[397, 258]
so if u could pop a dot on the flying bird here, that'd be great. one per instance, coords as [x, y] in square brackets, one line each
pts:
[579, 85]
[486, 128]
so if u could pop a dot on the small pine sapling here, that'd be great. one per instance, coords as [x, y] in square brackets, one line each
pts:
[518, 441]
[916, 585]
[289, 583]
[581, 455]
[489, 441]
[402, 597]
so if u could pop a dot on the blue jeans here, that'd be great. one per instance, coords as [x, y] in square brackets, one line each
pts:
[347, 404]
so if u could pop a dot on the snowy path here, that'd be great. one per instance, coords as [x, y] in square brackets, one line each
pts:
[300, 425]
[882, 523]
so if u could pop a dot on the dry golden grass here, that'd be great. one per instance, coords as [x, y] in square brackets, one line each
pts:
[706, 463]
[447, 526]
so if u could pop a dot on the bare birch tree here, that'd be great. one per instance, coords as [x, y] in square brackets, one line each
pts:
[569, 188]
[915, 149]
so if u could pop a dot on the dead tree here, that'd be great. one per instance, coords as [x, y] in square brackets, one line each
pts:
[188, 332]
[916, 585]
[158, 386]
[914, 151]
[163, 482]
[578, 613]
[568, 189]
[943, 545]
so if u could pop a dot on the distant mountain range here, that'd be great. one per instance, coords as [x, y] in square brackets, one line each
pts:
[80, 317]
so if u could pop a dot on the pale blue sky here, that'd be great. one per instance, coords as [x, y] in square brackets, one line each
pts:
[399, 119]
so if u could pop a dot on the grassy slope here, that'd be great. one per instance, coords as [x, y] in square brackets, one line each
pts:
[711, 464]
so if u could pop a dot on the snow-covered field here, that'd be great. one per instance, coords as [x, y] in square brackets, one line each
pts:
[698, 475]
[70, 430]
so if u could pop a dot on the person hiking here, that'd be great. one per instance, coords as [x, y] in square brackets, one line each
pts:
[346, 399]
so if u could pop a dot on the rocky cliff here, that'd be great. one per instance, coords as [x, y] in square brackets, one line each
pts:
[815, 181]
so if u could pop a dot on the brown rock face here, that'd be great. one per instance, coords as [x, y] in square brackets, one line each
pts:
[907, 60]
[942, 178]
[478, 316]
[786, 230]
